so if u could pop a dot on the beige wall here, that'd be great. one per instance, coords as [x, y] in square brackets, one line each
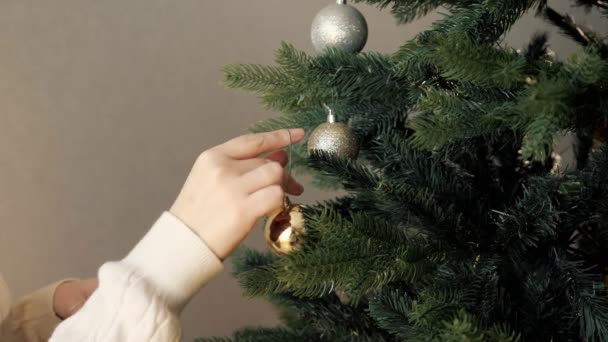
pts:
[103, 107]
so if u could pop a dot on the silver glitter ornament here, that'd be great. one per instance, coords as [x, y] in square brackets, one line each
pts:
[341, 26]
[335, 138]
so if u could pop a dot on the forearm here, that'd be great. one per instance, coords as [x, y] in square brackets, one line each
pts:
[140, 297]
[228, 190]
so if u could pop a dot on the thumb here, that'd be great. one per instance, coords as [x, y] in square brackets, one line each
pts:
[70, 296]
[88, 286]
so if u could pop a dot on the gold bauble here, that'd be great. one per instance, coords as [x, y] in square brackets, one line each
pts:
[335, 138]
[285, 229]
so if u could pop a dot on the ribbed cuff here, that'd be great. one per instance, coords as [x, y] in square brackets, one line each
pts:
[174, 259]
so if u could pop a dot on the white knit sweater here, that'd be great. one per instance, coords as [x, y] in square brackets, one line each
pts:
[140, 297]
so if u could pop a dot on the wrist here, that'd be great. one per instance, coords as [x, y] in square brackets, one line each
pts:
[174, 260]
[215, 243]
[207, 236]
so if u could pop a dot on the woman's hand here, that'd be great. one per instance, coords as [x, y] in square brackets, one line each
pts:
[230, 188]
[71, 295]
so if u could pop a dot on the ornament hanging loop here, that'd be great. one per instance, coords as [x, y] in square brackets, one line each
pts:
[290, 148]
[287, 201]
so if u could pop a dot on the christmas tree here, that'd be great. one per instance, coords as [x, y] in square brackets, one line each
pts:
[456, 223]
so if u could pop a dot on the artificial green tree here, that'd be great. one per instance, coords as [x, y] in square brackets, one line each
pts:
[455, 225]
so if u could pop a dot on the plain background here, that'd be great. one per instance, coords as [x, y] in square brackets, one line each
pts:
[104, 105]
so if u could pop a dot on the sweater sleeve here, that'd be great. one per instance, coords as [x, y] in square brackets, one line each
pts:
[140, 297]
[32, 318]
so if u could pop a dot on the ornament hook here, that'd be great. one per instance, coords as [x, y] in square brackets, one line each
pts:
[286, 201]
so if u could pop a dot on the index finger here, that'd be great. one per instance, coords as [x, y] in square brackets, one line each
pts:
[252, 145]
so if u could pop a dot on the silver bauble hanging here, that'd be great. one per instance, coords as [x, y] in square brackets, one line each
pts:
[335, 138]
[341, 26]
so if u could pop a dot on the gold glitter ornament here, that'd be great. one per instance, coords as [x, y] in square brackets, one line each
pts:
[335, 138]
[339, 26]
[285, 229]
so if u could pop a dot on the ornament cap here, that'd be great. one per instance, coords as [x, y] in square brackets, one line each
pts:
[341, 2]
[331, 117]
[286, 203]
